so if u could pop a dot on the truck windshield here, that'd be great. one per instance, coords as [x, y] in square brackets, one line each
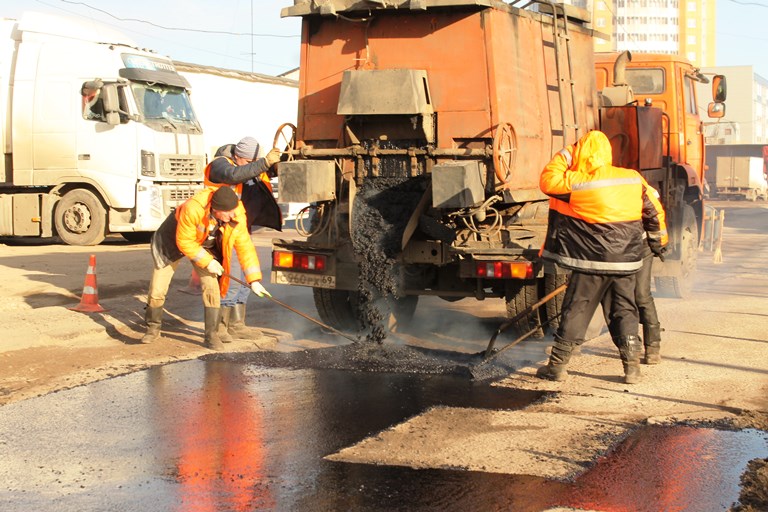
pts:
[646, 80]
[159, 101]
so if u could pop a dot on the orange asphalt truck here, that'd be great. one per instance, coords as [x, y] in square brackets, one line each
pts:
[422, 129]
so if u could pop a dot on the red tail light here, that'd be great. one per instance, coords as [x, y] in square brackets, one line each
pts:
[299, 261]
[504, 270]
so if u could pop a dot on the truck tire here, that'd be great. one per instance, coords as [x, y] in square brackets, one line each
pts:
[550, 313]
[518, 296]
[680, 285]
[338, 308]
[80, 218]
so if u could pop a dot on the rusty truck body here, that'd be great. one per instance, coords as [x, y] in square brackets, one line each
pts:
[457, 105]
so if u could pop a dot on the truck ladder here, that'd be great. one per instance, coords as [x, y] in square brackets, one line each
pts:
[557, 35]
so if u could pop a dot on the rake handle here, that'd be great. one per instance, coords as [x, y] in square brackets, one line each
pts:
[293, 310]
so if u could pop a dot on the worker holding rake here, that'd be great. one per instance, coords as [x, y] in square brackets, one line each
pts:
[209, 229]
[597, 219]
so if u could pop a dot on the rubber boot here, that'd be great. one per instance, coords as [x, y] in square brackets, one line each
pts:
[212, 321]
[558, 360]
[652, 342]
[630, 350]
[237, 327]
[154, 319]
[226, 317]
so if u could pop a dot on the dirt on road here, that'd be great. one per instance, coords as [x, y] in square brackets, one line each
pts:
[714, 367]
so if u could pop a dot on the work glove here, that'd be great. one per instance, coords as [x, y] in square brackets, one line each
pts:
[658, 250]
[272, 157]
[214, 267]
[259, 290]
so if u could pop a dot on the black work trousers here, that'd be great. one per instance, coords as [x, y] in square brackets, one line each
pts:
[585, 292]
[643, 297]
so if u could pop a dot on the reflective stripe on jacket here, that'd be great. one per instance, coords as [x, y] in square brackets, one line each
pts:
[596, 210]
[194, 224]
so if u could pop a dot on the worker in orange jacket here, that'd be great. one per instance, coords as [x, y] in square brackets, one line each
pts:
[206, 229]
[597, 220]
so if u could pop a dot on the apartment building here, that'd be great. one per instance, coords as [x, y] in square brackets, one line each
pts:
[680, 27]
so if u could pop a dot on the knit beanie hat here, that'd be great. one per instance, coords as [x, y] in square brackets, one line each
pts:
[247, 148]
[224, 199]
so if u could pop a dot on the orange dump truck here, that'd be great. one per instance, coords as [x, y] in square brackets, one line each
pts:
[423, 126]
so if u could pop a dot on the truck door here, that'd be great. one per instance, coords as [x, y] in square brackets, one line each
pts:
[106, 154]
[694, 133]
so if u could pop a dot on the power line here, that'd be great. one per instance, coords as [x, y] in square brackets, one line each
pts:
[181, 29]
[749, 3]
[741, 36]
[174, 41]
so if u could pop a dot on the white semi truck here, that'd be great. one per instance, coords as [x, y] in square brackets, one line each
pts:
[98, 135]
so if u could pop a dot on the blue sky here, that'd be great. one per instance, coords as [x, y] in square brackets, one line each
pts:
[741, 30]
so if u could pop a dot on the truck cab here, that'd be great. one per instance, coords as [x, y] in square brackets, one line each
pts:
[99, 136]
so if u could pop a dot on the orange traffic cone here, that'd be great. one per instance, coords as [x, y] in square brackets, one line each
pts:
[89, 303]
[194, 287]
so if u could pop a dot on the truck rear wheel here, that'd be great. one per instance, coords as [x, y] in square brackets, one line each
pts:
[550, 313]
[338, 308]
[80, 218]
[680, 285]
[520, 295]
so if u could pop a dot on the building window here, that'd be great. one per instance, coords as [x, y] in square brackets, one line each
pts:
[691, 23]
[691, 6]
[691, 39]
[601, 22]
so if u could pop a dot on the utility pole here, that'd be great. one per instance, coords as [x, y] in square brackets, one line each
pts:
[251, 36]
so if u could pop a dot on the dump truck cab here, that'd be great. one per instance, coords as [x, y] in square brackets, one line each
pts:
[666, 82]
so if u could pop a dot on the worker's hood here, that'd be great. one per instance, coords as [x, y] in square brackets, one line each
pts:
[593, 151]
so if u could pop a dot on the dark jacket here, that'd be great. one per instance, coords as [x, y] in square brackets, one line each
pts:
[251, 183]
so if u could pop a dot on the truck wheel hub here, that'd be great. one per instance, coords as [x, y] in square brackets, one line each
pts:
[77, 218]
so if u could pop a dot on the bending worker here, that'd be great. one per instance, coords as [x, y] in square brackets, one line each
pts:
[597, 217]
[206, 229]
[238, 166]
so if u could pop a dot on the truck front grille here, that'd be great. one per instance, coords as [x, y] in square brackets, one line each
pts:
[178, 166]
[173, 196]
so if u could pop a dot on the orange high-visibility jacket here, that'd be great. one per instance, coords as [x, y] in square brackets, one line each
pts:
[598, 213]
[194, 225]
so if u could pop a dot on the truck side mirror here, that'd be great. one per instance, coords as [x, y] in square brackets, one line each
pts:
[111, 104]
[719, 89]
[716, 109]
